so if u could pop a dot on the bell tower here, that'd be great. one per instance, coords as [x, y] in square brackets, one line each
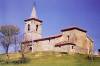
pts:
[32, 27]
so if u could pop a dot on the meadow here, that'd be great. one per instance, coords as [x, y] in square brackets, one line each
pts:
[49, 59]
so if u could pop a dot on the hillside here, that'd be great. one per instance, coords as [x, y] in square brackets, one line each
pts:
[50, 59]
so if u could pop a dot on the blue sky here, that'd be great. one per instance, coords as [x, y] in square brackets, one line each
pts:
[56, 15]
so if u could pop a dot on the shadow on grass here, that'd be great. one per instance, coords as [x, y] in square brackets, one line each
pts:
[18, 61]
[21, 61]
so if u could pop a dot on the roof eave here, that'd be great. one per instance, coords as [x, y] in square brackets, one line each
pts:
[72, 28]
[33, 19]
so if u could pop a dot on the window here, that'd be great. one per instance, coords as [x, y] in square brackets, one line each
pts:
[30, 48]
[28, 27]
[68, 37]
[36, 27]
[49, 40]
[72, 47]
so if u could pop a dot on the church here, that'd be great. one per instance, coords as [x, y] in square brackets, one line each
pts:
[70, 40]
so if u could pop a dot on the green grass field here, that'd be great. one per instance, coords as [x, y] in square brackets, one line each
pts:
[50, 59]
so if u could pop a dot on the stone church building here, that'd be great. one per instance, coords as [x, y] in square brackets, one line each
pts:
[70, 40]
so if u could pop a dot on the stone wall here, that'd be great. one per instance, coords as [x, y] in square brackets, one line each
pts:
[46, 45]
[32, 34]
[79, 38]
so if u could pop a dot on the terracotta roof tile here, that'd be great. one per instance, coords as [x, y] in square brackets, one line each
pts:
[47, 38]
[63, 43]
[67, 29]
[26, 42]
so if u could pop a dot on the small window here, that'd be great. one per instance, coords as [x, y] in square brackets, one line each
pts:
[49, 40]
[30, 48]
[68, 37]
[72, 47]
[28, 27]
[36, 27]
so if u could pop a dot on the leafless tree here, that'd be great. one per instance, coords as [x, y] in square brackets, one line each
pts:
[91, 51]
[16, 41]
[7, 34]
[22, 48]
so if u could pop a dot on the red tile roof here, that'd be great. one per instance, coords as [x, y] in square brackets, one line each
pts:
[33, 19]
[48, 38]
[63, 43]
[73, 28]
[26, 42]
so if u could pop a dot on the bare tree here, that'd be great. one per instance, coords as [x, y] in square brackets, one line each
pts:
[7, 34]
[22, 46]
[91, 51]
[15, 39]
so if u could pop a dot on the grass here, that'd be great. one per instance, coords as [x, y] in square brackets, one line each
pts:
[50, 59]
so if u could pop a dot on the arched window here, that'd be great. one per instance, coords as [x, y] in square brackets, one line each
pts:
[68, 37]
[30, 48]
[28, 27]
[36, 27]
[72, 47]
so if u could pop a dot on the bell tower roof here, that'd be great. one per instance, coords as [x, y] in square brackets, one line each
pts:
[33, 13]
